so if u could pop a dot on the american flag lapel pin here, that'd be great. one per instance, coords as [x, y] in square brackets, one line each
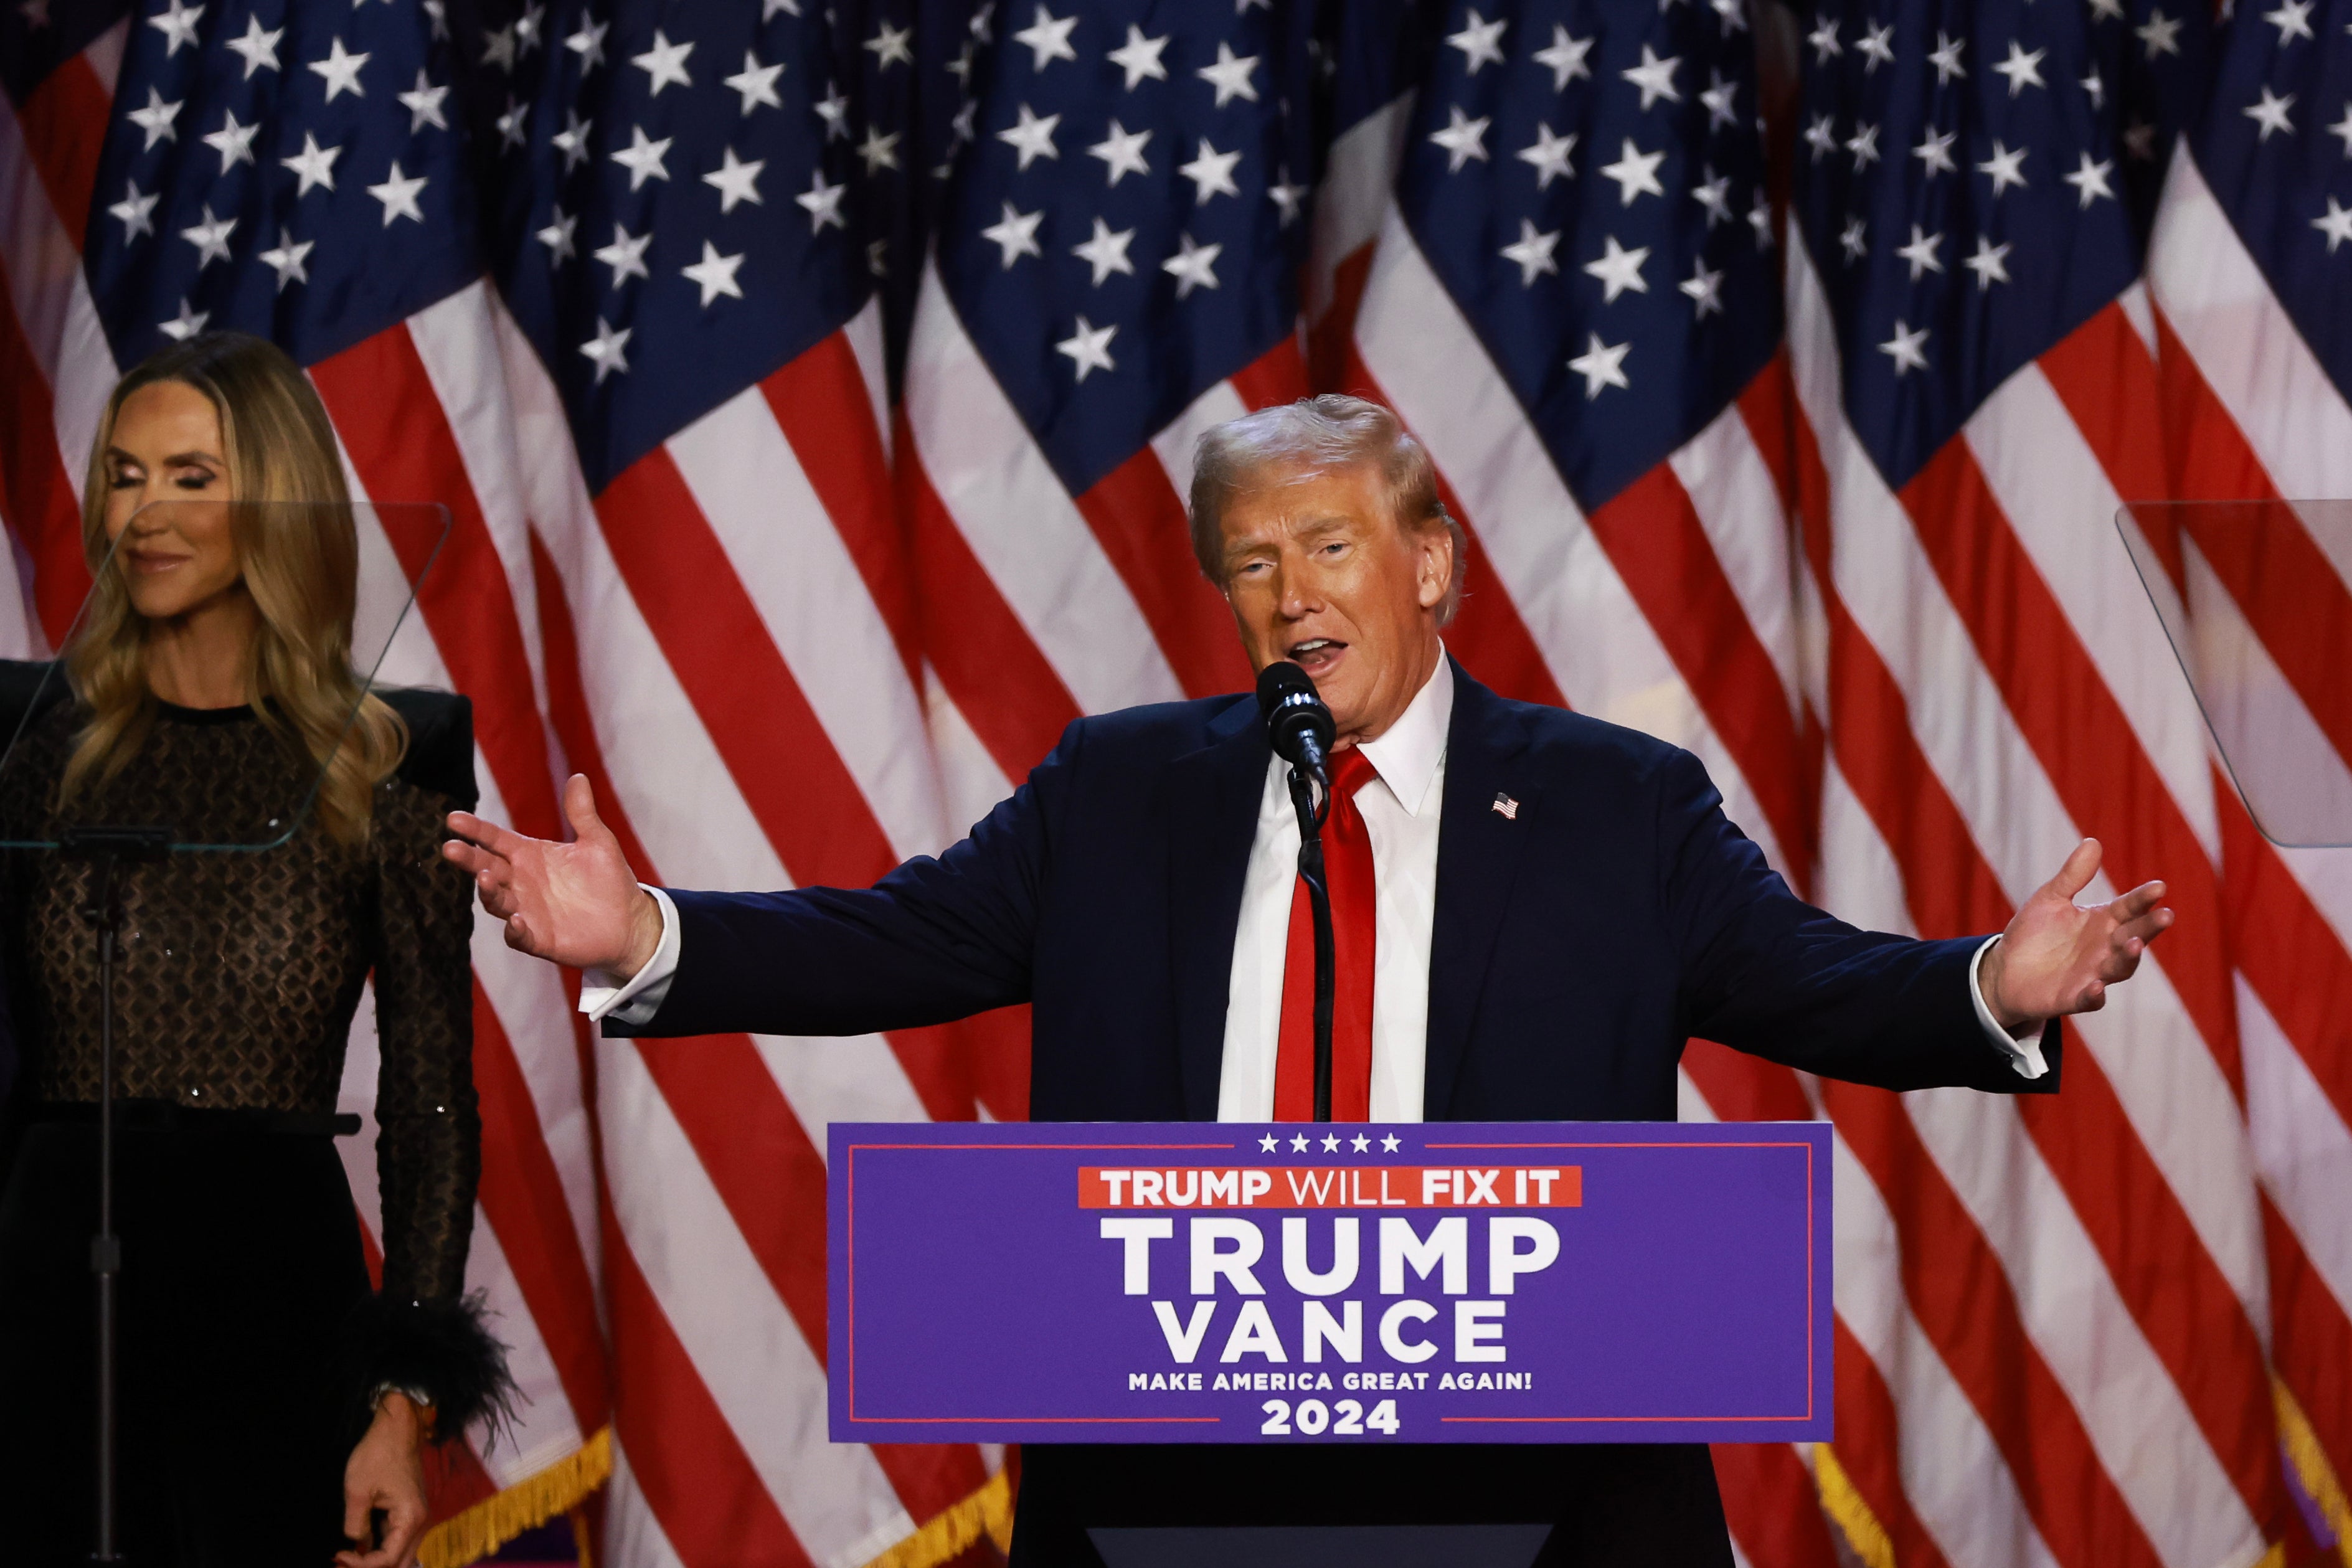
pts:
[1506, 807]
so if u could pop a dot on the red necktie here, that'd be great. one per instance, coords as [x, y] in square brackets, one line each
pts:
[1348, 874]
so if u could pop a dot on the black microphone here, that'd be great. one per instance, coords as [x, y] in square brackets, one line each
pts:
[1297, 721]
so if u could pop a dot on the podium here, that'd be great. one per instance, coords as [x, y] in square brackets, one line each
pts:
[1408, 1291]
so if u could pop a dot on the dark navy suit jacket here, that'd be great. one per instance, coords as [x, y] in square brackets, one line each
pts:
[1577, 943]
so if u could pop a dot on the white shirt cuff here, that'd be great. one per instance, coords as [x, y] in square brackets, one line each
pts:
[603, 995]
[2023, 1048]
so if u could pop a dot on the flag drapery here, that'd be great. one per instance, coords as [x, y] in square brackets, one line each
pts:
[813, 392]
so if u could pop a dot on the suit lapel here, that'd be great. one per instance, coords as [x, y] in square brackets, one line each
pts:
[1213, 810]
[1478, 854]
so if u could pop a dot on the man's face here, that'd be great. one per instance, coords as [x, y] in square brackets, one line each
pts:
[1318, 571]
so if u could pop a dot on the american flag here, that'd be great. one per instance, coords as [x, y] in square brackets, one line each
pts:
[814, 389]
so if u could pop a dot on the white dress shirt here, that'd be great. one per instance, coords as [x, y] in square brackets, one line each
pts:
[1402, 810]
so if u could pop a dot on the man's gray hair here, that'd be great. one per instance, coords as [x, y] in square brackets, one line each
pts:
[1326, 433]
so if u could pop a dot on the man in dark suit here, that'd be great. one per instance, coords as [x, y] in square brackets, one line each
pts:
[1532, 910]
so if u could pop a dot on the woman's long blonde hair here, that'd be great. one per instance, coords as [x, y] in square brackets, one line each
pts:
[300, 564]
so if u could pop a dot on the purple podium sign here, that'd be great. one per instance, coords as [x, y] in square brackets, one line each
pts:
[1220, 1282]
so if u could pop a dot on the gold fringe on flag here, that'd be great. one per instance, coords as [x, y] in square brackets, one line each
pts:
[950, 1533]
[1843, 1504]
[470, 1536]
[2310, 1466]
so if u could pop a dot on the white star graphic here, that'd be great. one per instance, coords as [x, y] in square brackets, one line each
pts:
[424, 104]
[1654, 77]
[1565, 56]
[1705, 290]
[2270, 113]
[1602, 364]
[890, 47]
[1088, 347]
[1821, 137]
[1946, 57]
[1921, 252]
[1299, 1144]
[1906, 348]
[341, 71]
[1121, 151]
[398, 194]
[1391, 1144]
[1360, 1143]
[756, 83]
[1330, 1143]
[1619, 270]
[1991, 264]
[1876, 47]
[2336, 224]
[527, 27]
[715, 274]
[1636, 173]
[1211, 173]
[664, 63]
[1934, 151]
[877, 254]
[1734, 15]
[136, 210]
[2106, 10]
[2343, 129]
[1231, 75]
[1533, 252]
[822, 203]
[2006, 168]
[286, 258]
[1824, 39]
[626, 256]
[2095, 88]
[512, 132]
[1548, 155]
[258, 48]
[1193, 266]
[1718, 98]
[2292, 20]
[1268, 1142]
[1048, 39]
[1864, 145]
[156, 120]
[2161, 35]
[1033, 138]
[186, 324]
[735, 180]
[437, 16]
[1016, 234]
[833, 109]
[1463, 139]
[588, 43]
[2024, 70]
[2090, 180]
[233, 141]
[1480, 41]
[771, 9]
[1759, 218]
[210, 238]
[643, 157]
[178, 24]
[1713, 194]
[314, 165]
[557, 235]
[1106, 252]
[1286, 195]
[1139, 56]
[608, 349]
[498, 49]
[879, 150]
[1852, 242]
[572, 140]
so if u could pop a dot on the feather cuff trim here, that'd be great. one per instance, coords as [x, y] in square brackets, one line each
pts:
[443, 1349]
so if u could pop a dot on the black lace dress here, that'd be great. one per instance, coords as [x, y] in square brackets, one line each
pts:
[250, 1342]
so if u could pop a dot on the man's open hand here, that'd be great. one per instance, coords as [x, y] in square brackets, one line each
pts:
[2058, 957]
[576, 903]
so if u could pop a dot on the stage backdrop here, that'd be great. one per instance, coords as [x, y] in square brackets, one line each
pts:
[814, 388]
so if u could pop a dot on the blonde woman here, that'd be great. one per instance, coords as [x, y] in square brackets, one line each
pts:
[273, 1407]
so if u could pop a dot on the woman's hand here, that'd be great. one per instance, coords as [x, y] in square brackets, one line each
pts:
[386, 1471]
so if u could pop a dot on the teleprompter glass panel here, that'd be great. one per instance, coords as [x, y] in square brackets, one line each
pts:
[2256, 597]
[297, 572]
